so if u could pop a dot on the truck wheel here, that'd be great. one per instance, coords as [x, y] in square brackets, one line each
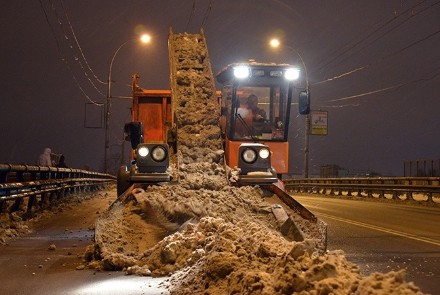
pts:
[123, 182]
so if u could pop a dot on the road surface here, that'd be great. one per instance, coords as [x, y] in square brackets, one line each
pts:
[383, 236]
[28, 267]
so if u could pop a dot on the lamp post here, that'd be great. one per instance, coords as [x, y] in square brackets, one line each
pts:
[276, 43]
[145, 38]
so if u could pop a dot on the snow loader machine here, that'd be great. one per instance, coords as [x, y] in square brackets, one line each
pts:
[253, 139]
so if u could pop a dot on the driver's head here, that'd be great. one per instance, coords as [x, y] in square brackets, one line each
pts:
[252, 101]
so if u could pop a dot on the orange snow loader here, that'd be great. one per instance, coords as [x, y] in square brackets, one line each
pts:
[254, 108]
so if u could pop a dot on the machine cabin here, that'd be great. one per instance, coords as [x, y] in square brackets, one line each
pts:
[255, 108]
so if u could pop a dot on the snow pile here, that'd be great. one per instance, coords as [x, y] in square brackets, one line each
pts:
[12, 226]
[222, 241]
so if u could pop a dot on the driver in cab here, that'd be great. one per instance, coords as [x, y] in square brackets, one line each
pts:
[250, 113]
[258, 114]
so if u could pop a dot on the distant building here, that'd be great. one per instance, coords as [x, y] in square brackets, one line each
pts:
[333, 170]
[329, 171]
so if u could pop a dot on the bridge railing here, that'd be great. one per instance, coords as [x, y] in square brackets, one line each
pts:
[31, 185]
[421, 189]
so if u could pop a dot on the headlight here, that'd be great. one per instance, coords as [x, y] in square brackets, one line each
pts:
[291, 74]
[158, 153]
[264, 153]
[143, 151]
[152, 158]
[241, 72]
[254, 157]
[249, 155]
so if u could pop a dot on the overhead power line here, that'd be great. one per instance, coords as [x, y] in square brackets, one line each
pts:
[413, 14]
[61, 55]
[66, 37]
[193, 9]
[207, 13]
[393, 87]
[352, 44]
[378, 60]
[79, 46]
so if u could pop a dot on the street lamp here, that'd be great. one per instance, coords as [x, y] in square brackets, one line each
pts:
[145, 38]
[276, 43]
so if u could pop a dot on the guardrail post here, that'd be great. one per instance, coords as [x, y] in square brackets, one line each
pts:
[409, 196]
[52, 196]
[45, 199]
[3, 206]
[17, 205]
[61, 194]
[31, 201]
[429, 195]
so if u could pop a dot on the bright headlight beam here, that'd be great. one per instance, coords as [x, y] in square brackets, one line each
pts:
[264, 153]
[241, 72]
[143, 151]
[291, 74]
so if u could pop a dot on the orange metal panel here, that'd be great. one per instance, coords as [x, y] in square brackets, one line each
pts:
[151, 115]
[153, 108]
[155, 93]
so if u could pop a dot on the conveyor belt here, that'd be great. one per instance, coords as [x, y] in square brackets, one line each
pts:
[195, 104]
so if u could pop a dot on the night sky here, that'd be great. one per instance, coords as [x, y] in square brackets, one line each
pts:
[373, 65]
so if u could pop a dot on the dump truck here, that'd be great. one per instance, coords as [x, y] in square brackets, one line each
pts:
[243, 126]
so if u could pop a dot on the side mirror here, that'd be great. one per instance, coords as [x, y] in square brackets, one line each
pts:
[304, 102]
[134, 132]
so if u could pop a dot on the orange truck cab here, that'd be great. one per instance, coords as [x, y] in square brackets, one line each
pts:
[149, 133]
[255, 113]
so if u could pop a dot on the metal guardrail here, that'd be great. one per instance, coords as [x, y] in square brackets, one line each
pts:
[20, 183]
[427, 189]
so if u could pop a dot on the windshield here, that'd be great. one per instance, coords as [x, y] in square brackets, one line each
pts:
[259, 113]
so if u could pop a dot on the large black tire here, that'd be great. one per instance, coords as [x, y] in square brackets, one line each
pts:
[123, 180]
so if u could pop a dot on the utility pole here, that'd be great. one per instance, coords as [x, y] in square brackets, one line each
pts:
[306, 145]
[145, 38]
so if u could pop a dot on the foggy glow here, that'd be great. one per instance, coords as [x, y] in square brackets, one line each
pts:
[291, 74]
[241, 72]
[143, 151]
[264, 153]
[145, 38]
[274, 42]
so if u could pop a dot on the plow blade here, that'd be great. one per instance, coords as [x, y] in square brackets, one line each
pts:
[292, 203]
[316, 228]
